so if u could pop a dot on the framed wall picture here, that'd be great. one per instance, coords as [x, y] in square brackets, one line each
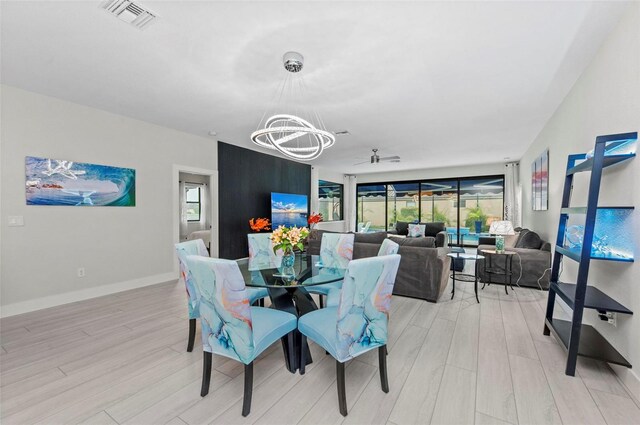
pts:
[61, 182]
[540, 182]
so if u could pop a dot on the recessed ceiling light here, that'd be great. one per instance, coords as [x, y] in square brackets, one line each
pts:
[212, 133]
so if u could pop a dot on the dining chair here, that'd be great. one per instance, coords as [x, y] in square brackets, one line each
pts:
[359, 323]
[388, 247]
[197, 247]
[336, 251]
[231, 327]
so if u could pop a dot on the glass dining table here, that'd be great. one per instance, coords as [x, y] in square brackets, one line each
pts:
[288, 293]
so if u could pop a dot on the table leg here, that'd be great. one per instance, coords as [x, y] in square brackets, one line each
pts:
[283, 299]
[453, 282]
[475, 285]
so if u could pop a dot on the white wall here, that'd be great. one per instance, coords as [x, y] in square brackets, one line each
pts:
[434, 173]
[605, 100]
[119, 247]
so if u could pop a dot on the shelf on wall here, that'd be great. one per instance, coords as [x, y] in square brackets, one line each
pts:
[583, 210]
[592, 344]
[575, 254]
[608, 161]
[594, 298]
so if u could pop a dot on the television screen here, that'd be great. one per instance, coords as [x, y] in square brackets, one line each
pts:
[288, 210]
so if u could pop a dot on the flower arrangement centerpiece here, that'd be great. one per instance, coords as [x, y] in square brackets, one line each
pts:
[260, 224]
[288, 239]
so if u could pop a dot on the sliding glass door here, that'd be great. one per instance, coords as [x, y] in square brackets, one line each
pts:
[466, 206]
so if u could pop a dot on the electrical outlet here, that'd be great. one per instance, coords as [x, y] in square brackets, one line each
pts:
[81, 272]
[16, 221]
[612, 319]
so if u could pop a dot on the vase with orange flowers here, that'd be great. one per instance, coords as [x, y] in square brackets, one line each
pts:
[288, 239]
[260, 224]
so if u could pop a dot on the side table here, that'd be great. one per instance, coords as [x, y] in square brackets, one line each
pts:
[490, 269]
[470, 257]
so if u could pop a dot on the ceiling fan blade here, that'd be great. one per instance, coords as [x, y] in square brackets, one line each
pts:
[363, 162]
[390, 158]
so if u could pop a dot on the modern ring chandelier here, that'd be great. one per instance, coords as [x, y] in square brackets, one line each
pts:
[287, 132]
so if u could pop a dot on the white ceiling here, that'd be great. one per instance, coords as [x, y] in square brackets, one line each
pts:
[438, 83]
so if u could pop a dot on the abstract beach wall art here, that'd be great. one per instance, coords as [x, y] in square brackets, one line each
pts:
[61, 182]
[540, 182]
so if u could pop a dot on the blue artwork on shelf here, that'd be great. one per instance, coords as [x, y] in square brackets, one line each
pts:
[611, 238]
[288, 210]
[61, 182]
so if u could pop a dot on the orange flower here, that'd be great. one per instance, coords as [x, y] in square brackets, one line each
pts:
[259, 224]
[315, 218]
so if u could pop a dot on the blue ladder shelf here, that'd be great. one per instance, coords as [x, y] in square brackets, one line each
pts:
[576, 338]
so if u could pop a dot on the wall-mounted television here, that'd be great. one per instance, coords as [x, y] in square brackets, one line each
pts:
[288, 209]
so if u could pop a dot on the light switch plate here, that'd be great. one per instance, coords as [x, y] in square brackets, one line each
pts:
[16, 220]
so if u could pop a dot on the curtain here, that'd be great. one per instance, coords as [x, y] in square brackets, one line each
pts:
[184, 231]
[512, 195]
[349, 199]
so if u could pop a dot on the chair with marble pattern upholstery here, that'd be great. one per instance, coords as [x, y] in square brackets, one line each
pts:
[359, 322]
[231, 327]
[336, 251]
[197, 247]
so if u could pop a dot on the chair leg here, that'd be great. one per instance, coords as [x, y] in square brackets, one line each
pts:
[206, 373]
[320, 296]
[192, 334]
[248, 389]
[382, 360]
[303, 353]
[261, 302]
[342, 394]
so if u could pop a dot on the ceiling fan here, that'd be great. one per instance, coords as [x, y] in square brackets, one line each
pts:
[375, 158]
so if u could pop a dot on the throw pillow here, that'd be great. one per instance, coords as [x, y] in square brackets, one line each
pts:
[529, 239]
[416, 230]
[432, 229]
[402, 228]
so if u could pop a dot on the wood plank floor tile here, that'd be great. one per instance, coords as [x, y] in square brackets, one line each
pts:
[482, 419]
[418, 396]
[464, 345]
[617, 410]
[456, 398]
[534, 400]
[494, 373]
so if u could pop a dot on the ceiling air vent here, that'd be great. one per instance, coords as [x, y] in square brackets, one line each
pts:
[129, 12]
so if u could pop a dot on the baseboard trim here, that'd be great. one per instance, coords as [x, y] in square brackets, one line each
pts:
[83, 294]
[629, 378]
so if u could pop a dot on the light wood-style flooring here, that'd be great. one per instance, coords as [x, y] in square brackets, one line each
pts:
[121, 359]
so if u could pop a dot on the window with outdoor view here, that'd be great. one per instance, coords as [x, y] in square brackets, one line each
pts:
[466, 206]
[330, 200]
[193, 201]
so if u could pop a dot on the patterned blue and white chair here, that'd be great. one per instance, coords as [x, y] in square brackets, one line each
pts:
[359, 322]
[336, 251]
[261, 255]
[230, 326]
[197, 247]
[388, 247]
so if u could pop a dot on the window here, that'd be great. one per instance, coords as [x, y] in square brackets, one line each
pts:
[193, 200]
[466, 206]
[330, 200]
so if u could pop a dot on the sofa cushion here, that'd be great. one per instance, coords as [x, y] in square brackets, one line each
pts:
[432, 229]
[376, 237]
[529, 239]
[402, 228]
[416, 230]
[424, 242]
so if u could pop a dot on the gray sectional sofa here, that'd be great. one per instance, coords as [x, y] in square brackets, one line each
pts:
[424, 268]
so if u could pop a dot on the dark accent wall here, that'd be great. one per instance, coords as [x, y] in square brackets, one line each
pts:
[246, 179]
